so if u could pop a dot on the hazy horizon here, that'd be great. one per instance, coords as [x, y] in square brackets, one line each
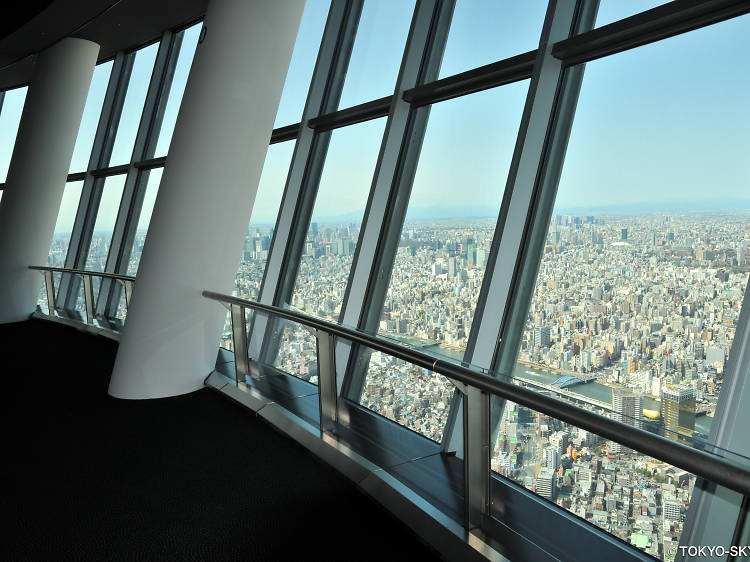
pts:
[657, 128]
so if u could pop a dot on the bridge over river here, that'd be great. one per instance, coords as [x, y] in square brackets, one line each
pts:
[568, 395]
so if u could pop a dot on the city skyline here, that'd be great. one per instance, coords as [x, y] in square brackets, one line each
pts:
[712, 136]
[625, 304]
[639, 302]
[473, 143]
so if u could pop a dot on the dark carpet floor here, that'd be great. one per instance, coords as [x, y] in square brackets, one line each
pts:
[196, 477]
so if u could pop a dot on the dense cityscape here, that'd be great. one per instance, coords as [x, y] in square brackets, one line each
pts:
[639, 306]
[95, 261]
[631, 315]
[648, 305]
[414, 313]
[615, 126]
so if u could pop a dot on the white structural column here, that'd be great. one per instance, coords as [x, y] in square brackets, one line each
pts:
[38, 170]
[201, 213]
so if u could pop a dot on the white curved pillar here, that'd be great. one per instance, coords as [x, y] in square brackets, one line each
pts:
[201, 213]
[38, 170]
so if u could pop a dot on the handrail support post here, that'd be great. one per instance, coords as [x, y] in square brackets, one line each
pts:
[49, 282]
[239, 342]
[476, 413]
[88, 294]
[327, 388]
[128, 286]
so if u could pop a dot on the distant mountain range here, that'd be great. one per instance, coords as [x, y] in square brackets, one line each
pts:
[718, 204]
[419, 213]
[442, 212]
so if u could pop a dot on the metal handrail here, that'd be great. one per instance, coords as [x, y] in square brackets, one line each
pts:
[126, 281]
[711, 467]
[83, 272]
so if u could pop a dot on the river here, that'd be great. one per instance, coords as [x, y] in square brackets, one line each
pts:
[593, 390]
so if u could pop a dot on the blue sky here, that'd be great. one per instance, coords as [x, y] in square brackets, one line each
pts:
[659, 123]
[10, 115]
[663, 123]
[654, 124]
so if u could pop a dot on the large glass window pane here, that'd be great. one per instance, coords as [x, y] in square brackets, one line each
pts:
[377, 52]
[132, 108]
[105, 222]
[263, 219]
[407, 394]
[149, 198]
[64, 226]
[177, 90]
[90, 120]
[638, 498]
[336, 219]
[331, 239]
[645, 265]
[260, 230]
[302, 65]
[10, 117]
[485, 31]
[613, 10]
[445, 242]
[58, 249]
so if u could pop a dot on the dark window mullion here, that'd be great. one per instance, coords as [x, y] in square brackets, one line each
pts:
[391, 186]
[101, 150]
[304, 171]
[136, 181]
[653, 25]
[539, 130]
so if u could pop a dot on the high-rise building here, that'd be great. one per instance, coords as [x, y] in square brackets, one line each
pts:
[743, 251]
[678, 412]
[551, 458]
[671, 508]
[471, 253]
[546, 484]
[627, 407]
[481, 257]
[541, 336]
[624, 234]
